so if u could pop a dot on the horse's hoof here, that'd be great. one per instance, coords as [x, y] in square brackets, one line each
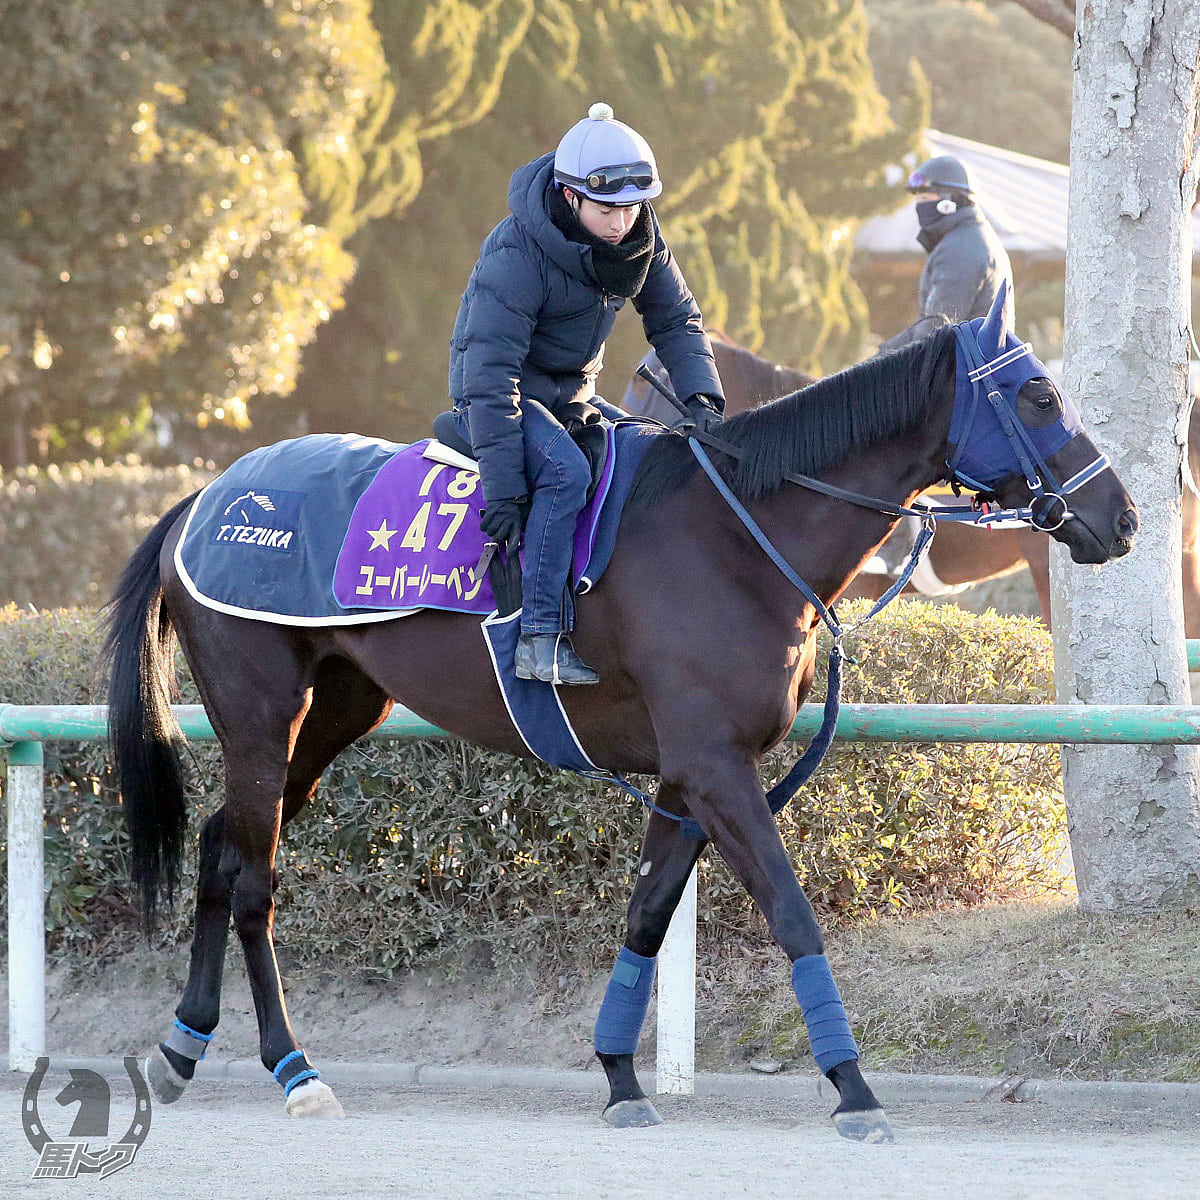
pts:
[167, 1082]
[312, 1098]
[632, 1114]
[867, 1125]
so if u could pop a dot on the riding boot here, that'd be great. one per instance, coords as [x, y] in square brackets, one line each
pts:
[551, 658]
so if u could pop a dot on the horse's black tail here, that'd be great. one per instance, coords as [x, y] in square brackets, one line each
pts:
[141, 727]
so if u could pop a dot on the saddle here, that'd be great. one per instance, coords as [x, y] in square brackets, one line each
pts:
[585, 423]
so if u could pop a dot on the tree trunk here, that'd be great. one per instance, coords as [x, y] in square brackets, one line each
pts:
[14, 445]
[1133, 812]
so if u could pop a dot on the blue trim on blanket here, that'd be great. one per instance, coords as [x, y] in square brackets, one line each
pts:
[631, 441]
[534, 706]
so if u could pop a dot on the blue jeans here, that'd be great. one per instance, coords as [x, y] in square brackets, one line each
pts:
[558, 475]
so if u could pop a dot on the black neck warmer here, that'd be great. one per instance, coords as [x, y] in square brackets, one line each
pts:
[933, 231]
[620, 269]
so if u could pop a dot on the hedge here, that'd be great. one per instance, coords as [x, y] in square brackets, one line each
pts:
[66, 532]
[414, 849]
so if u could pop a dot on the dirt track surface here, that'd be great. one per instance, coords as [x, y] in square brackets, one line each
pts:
[234, 1140]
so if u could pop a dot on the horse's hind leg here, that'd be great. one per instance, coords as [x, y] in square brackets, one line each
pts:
[172, 1063]
[344, 705]
[666, 862]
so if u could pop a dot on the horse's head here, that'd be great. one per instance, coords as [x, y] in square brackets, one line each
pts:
[1016, 437]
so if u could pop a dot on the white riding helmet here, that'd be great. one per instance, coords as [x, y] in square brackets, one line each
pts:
[603, 159]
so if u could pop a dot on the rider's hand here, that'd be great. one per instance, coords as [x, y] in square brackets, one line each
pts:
[705, 410]
[501, 521]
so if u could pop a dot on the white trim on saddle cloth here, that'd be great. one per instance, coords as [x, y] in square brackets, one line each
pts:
[497, 619]
[234, 610]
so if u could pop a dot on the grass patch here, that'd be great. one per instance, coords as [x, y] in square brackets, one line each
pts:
[1036, 988]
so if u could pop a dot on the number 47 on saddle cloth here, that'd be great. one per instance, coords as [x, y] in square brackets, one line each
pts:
[335, 530]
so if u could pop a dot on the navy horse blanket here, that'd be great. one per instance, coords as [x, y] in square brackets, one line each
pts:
[334, 529]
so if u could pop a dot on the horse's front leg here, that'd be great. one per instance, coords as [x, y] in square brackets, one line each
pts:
[663, 869]
[723, 792]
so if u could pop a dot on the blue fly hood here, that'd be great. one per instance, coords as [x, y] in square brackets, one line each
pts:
[988, 440]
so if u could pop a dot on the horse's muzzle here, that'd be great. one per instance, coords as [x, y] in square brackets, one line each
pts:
[1087, 546]
[1127, 527]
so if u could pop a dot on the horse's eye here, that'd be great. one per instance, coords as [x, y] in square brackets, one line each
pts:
[1045, 402]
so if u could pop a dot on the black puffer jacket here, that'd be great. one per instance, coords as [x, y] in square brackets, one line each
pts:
[534, 318]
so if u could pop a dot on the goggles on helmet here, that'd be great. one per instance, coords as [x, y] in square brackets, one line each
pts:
[607, 181]
[920, 182]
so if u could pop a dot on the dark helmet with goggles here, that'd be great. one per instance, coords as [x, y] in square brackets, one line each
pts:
[941, 174]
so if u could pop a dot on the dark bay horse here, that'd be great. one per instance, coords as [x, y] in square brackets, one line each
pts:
[704, 649]
[961, 555]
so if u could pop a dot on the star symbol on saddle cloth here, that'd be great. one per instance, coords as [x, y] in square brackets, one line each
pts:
[381, 536]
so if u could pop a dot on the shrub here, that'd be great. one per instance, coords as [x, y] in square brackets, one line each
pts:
[66, 532]
[412, 849]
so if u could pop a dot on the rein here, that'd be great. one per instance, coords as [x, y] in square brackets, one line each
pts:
[806, 766]
[1033, 465]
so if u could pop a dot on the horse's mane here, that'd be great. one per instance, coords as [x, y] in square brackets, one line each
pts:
[814, 428]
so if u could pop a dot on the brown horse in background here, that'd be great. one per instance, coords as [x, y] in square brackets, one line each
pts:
[961, 555]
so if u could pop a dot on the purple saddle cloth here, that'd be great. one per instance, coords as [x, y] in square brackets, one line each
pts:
[414, 537]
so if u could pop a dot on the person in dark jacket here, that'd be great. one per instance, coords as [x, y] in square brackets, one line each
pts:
[966, 262]
[960, 279]
[528, 343]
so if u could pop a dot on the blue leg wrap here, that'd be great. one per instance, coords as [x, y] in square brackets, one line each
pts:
[186, 1041]
[619, 1023]
[828, 1030]
[294, 1069]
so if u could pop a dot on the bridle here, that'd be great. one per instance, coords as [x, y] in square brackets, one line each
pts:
[1048, 510]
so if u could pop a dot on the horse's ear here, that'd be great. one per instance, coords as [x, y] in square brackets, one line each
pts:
[993, 333]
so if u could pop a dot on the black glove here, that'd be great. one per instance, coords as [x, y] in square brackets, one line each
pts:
[705, 410]
[501, 521]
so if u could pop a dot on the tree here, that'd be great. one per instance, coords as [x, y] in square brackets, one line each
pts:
[181, 181]
[956, 44]
[772, 140]
[171, 230]
[1118, 634]
[446, 62]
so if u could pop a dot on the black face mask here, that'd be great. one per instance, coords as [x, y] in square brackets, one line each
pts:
[620, 269]
[927, 212]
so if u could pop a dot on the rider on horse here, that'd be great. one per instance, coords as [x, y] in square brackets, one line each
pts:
[581, 239]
